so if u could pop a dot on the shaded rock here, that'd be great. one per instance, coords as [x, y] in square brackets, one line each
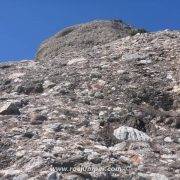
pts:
[9, 108]
[95, 74]
[56, 127]
[28, 134]
[177, 122]
[177, 140]
[37, 119]
[53, 176]
[30, 88]
[131, 134]
[77, 176]
[99, 95]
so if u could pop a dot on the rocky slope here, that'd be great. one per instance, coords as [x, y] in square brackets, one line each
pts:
[101, 101]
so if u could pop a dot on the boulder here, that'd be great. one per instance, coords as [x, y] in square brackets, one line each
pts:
[130, 134]
[9, 108]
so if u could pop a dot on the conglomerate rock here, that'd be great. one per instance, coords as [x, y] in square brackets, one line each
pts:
[88, 81]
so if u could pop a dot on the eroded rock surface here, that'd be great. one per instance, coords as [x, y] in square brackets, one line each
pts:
[87, 81]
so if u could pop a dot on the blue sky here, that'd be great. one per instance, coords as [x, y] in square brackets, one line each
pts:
[24, 24]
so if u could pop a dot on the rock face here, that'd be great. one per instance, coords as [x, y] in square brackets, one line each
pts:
[9, 108]
[66, 107]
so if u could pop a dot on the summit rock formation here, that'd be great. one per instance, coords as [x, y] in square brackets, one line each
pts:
[101, 100]
[80, 37]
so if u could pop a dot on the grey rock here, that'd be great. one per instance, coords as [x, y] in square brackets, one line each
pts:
[36, 118]
[95, 74]
[35, 162]
[31, 87]
[118, 147]
[168, 140]
[125, 159]
[53, 176]
[129, 133]
[177, 140]
[56, 127]
[78, 176]
[134, 57]
[21, 177]
[145, 61]
[177, 122]
[98, 95]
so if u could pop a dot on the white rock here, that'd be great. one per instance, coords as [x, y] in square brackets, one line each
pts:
[34, 163]
[168, 140]
[76, 60]
[100, 147]
[169, 156]
[93, 155]
[145, 61]
[16, 75]
[10, 172]
[118, 147]
[57, 149]
[88, 151]
[20, 153]
[129, 133]
[48, 84]
[134, 57]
